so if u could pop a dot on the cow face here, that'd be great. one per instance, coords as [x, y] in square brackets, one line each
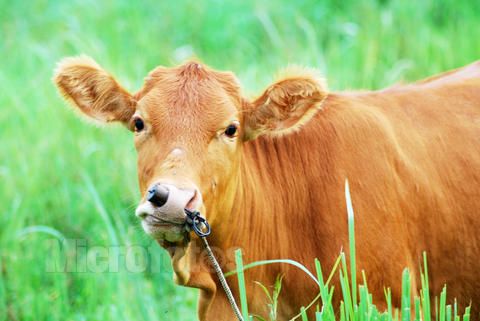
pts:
[189, 124]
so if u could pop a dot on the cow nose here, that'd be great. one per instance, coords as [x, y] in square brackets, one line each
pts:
[158, 195]
[168, 202]
[168, 198]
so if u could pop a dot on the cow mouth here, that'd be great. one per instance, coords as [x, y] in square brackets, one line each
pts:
[166, 221]
[156, 221]
[162, 226]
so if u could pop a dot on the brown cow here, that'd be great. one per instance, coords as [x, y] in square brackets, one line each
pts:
[269, 175]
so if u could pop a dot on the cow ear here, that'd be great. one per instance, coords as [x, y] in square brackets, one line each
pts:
[93, 91]
[286, 105]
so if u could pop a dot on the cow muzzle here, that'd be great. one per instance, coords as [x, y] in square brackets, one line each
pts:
[163, 212]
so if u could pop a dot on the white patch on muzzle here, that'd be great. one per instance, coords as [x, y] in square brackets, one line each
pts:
[171, 214]
[174, 209]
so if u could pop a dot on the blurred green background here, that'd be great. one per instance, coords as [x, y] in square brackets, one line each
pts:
[61, 178]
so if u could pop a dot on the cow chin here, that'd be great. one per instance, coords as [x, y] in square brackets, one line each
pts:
[171, 233]
[162, 225]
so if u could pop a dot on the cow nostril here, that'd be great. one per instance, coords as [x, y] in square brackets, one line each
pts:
[192, 202]
[158, 195]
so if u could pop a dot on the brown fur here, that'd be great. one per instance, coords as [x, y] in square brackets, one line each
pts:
[411, 154]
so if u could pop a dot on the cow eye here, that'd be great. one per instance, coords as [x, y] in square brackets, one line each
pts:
[231, 130]
[139, 125]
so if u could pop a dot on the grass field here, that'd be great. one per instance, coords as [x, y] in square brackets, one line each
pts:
[62, 178]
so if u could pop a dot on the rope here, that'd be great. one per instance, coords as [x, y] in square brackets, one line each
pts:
[221, 277]
[201, 227]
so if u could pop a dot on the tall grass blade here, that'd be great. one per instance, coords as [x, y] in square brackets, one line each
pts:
[346, 294]
[327, 307]
[388, 298]
[425, 292]
[42, 229]
[406, 308]
[466, 315]
[369, 297]
[351, 238]
[241, 284]
[455, 309]
[304, 314]
[417, 309]
[266, 262]
[343, 315]
[363, 304]
[443, 299]
[307, 307]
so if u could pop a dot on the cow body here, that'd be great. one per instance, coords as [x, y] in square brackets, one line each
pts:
[412, 156]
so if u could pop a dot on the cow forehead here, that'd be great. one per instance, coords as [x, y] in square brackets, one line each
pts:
[189, 96]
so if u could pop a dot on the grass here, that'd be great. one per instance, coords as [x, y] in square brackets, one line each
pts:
[353, 308]
[64, 179]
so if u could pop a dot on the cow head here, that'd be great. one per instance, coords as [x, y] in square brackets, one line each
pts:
[190, 125]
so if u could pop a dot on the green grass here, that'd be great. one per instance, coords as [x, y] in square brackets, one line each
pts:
[64, 179]
[353, 308]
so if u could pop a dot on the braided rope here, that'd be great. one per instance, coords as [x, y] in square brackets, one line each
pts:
[222, 279]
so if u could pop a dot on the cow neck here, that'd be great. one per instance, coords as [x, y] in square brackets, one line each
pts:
[272, 187]
[268, 186]
[224, 212]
